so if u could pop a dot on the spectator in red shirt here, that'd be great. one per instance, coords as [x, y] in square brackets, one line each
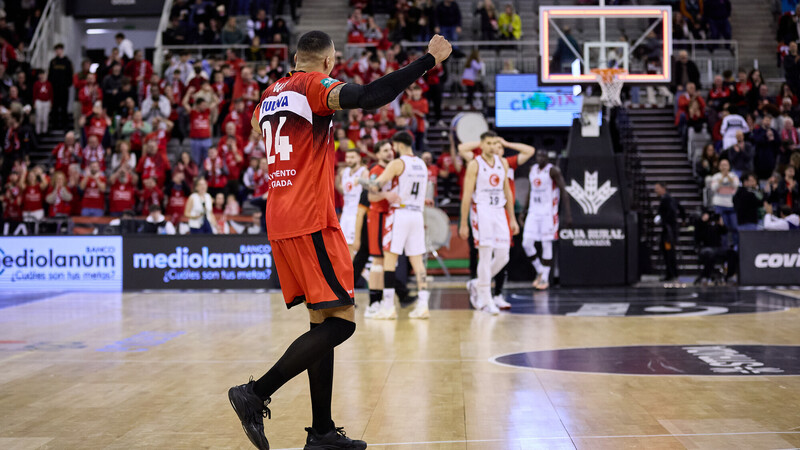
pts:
[152, 164]
[151, 194]
[123, 192]
[89, 93]
[42, 102]
[74, 186]
[247, 88]
[93, 152]
[369, 128]
[201, 116]
[356, 27]
[97, 124]
[719, 94]
[354, 125]
[238, 117]
[12, 200]
[176, 192]
[434, 79]
[255, 149]
[66, 153]
[93, 186]
[419, 106]
[188, 167]
[215, 171]
[231, 147]
[59, 196]
[139, 70]
[433, 174]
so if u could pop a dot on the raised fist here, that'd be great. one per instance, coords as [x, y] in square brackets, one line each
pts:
[439, 48]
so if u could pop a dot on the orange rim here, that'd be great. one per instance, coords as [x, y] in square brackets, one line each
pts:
[607, 75]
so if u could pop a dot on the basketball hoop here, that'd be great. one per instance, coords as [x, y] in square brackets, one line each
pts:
[611, 85]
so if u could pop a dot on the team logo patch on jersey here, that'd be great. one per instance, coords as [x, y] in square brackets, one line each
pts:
[494, 180]
[327, 82]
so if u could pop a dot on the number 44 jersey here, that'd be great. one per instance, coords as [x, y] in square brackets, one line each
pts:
[295, 124]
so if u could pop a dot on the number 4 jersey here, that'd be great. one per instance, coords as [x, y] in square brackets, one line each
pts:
[295, 123]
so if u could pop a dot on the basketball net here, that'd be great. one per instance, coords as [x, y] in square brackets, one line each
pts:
[611, 85]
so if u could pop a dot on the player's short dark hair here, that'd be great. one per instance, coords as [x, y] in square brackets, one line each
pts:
[354, 149]
[404, 137]
[120, 36]
[314, 43]
[381, 143]
[488, 134]
[58, 46]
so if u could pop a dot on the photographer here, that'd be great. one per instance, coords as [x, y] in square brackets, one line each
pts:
[669, 209]
[709, 230]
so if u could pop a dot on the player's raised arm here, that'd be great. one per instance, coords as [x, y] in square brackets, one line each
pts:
[386, 88]
[525, 151]
[465, 150]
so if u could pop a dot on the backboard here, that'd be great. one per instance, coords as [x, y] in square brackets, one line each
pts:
[573, 40]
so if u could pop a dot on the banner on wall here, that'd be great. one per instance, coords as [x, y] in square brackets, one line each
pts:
[115, 8]
[769, 257]
[198, 262]
[61, 263]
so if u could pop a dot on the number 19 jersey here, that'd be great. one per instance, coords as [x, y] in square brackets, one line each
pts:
[295, 124]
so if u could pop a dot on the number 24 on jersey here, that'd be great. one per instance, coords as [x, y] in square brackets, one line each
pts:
[282, 145]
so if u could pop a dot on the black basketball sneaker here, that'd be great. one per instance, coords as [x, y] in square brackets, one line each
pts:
[251, 411]
[332, 440]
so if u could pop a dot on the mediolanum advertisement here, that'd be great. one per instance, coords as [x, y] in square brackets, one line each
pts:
[61, 263]
[198, 262]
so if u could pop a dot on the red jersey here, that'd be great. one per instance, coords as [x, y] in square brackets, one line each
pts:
[87, 96]
[295, 123]
[32, 198]
[215, 172]
[513, 164]
[96, 126]
[91, 154]
[12, 203]
[421, 106]
[354, 131]
[176, 202]
[59, 205]
[93, 197]
[234, 167]
[65, 156]
[383, 205]
[122, 197]
[433, 177]
[43, 91]
[261, 182]
[149, 197]
[152, 166]
[200, 124]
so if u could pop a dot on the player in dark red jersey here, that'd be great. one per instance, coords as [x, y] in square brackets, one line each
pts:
[309, 249]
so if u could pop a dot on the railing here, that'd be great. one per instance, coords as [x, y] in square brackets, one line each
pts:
[44, 37]
[524, 55]
[239, 49]
[158, 57]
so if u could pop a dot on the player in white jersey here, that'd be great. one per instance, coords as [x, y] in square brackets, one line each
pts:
[467, 151]
[489, 205]
[404, 227]
[347, 184]
[541, 224]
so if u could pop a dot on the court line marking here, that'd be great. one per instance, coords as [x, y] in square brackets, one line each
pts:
[552, 438]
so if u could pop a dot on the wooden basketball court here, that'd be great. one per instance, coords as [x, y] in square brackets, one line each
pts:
[152, 370]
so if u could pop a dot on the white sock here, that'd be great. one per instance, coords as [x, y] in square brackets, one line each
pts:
[537, 264]
[424, 296]
[388, 298]
[545, 274]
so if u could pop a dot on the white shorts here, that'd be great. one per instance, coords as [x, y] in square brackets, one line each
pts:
[404, 232]
[348, 224]
[540, 228]
[490, 227]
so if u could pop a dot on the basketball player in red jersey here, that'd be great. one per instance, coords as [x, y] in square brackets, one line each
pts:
[309, 249]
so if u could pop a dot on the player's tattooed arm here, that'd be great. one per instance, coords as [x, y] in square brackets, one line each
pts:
[333, 97]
